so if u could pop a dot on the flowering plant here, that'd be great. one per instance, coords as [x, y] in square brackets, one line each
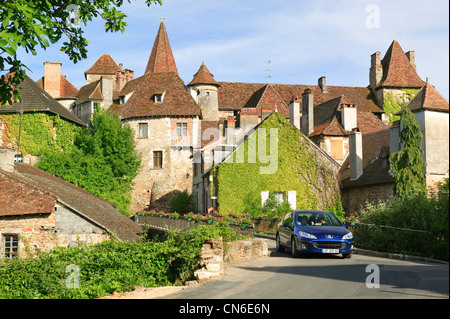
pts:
[351, 219]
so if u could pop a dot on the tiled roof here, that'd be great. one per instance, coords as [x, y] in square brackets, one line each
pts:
[81, 201]
[20, 198]
[161, 58]
[397, 69]
[235, 95]
[327, 117]
[67, 89]
[104, 65]
[203, 76]
[176, 101]
[91, 91]
[374, 144]
[35, 99]
[428, 98]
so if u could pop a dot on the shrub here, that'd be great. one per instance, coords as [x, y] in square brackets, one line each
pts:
[182, 202]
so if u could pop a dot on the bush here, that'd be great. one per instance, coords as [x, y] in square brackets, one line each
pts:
[182, 202]
[108, 266]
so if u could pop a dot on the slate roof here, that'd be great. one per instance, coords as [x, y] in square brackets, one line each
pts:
[35, 99]
[397, 69]
[104, 65]
[67, 89]
[39, 190]
[374, 144]
[428, 98]
[161, 58]
[176, 101]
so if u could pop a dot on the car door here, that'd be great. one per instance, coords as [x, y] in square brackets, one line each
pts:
[286, 229]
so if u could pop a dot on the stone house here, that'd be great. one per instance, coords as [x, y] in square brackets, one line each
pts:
[35, 100]
[296, 170]
[39, 212]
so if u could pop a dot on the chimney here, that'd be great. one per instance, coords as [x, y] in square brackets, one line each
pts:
[307, 123]
[52, 78]
[294, 112]
[323, 84]
[411, 57]
[356, 154]
[376, 70]
[107, 88]
[348, 117]
[229, 131]
[7, 159]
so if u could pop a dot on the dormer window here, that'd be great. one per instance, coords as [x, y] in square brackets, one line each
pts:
[158, 98]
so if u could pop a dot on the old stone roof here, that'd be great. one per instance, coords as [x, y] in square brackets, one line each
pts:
[203, 76]
[20, 198]
[375, 150]
[35, 99]
[397, 69]
[428, 98]
[161, 58]
[235, 95]
[91, 91]
[104, 65]
[176, 100]
[327, 118]
[40, 189]
[67, 89]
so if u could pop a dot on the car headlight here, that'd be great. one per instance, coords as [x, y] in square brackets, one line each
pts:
[349, 235]
[307, 235]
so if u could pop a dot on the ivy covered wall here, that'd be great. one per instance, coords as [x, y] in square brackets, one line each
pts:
[39, 132]
[393, 101]
[300, 167]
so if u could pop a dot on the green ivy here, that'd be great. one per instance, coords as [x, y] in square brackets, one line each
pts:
[238, 184]
[40, 132]
[392, 106]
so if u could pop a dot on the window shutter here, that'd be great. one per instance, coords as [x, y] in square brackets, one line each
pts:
[292, 199]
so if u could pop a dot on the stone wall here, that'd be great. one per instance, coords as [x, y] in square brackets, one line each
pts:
[354, 198]
[216, 252]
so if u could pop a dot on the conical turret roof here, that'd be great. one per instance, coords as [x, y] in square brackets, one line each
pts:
[161, 58]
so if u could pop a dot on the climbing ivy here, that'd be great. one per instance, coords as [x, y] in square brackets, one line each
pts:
[38, 133]
[392, 105]
[239, 184]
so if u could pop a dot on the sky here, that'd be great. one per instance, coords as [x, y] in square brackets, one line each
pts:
[303, 40]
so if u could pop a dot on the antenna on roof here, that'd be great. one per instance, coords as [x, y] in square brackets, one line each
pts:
[269, 69]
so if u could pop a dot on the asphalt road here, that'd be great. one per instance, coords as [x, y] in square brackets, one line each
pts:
[330, 277]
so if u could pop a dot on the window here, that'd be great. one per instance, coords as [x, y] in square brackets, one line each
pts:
[11, 244]
[182, 130]
[143, 130]
[157, 159]
[158, 98]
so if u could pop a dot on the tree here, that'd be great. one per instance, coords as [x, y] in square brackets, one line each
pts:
[40, 23]
[408, 164]
[104, 160]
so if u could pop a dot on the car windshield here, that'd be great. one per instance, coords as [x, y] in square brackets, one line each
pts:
[316, 219]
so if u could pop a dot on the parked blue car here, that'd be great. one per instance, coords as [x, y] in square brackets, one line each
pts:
[307, 231]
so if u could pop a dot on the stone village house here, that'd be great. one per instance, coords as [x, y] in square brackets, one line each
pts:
[182, 131]
[39, 212]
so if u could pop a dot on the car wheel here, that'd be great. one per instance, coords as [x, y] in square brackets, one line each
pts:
[294, 251]
[280, 248]
[347, 255]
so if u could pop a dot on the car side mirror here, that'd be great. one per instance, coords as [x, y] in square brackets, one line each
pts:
[345, 225]
[286, 225]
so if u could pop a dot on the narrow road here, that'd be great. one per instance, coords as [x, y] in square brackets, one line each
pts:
[330, 276]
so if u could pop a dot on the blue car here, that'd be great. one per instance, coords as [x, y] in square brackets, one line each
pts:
[307, 231]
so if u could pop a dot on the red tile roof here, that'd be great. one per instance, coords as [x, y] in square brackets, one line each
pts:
[104, 65]
[397, 69]
[91, 91]
[161, 58]
[20, 198]
[67, 89]
[203, 76]
[428, 98]
[176, 100]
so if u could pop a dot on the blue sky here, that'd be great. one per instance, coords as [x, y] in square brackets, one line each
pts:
[304, 40]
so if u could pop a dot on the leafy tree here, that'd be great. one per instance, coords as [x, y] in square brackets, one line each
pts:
[40, 23]
[104, 161]
[408, 164]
